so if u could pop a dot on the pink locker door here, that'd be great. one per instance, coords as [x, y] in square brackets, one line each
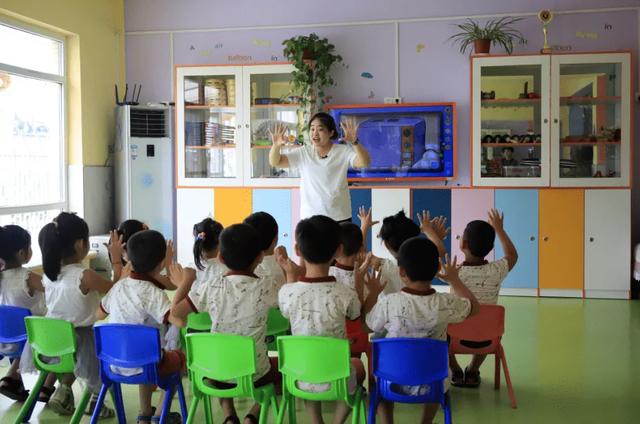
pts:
[468, 205]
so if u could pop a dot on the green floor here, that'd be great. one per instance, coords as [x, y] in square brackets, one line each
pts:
[571, 361]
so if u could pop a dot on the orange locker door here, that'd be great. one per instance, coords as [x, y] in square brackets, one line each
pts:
[232, 205]
[561, 242]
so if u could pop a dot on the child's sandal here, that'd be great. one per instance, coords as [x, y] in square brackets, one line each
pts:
[13, 389]
[471, 378]
[457, 378]
[231, 419]
[252, 418]
[172, 418]
[45, 394]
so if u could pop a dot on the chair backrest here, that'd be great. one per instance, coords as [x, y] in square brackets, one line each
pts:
[128, 346]
[52, 338]
[276, 322]
[198, 322]
[410, 361]
[221, 357]
[313, 359]
[486, 326]
[12, 329]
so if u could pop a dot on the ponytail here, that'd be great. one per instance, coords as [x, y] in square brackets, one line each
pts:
[207, 238]
[57, 241]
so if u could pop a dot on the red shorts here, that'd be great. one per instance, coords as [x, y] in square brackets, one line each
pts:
[172, 361]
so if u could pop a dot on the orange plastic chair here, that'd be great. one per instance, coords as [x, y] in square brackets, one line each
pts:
[486, 326]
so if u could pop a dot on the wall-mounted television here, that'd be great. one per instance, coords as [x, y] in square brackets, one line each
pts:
[411, 141]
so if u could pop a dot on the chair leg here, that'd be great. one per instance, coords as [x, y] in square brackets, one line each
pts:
[373, 405]
[166, 407]
[264, 410]
[99, 403]
[192, 410]
[496, 379]
[207, 410]
[357, 406]
[82, 406]
[118, 402]
[27, 409]
[292, 410]
[183, 402]
[447, 408]
[507, 377]
[274, 406]
[284, 404]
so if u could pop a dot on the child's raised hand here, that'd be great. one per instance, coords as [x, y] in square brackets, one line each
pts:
[168, 256]
[279, 134]
[280, 253]
[292, 270]
[449, 269]
[496, 219]
[115, 246]
[365, 217]
[361, 266]
[374, 282]
[177, 274]
[424, 219]
[439, 224]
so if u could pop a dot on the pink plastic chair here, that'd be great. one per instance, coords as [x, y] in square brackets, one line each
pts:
[486, 326]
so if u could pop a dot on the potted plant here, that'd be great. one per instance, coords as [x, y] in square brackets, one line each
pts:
[496, 31]
[313, 58]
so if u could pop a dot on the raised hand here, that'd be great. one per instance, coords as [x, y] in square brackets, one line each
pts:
[374, 282]
[496, 219]
[279, 134]
[292, 270]
[168, 256]
[350, 129]
[365, 217]
[177, 274]
[449, 269]
[115, 246]
[424, 220]
[439, 224]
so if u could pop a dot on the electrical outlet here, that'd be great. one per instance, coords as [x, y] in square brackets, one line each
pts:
[393, 100]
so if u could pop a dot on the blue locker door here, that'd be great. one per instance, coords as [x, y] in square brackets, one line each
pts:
[437, 202]
[277, 202]
[362, 197]
[520, 208]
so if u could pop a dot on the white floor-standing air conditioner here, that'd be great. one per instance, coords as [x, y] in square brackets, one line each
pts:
[143, 165]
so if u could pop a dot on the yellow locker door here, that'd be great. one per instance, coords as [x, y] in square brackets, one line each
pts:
[561, 242]
[232, 205]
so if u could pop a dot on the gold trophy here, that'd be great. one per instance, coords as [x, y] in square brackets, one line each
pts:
[545, 17]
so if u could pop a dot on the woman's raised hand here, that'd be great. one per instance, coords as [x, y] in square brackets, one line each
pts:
[350, 129]
[279, 134]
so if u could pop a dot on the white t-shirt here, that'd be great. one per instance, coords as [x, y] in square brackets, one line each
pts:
[484, 281]
[390, 272]
[14, 291]
[343, 275]
[409, 313]
[66, 301]
[213, 269]
[318, 306]
[323, 182]
[239, 304]
[136, 301]
[270, 268]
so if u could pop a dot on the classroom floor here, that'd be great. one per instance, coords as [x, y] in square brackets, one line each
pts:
[571, 361]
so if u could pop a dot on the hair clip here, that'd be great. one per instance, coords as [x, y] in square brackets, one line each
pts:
[200, 236]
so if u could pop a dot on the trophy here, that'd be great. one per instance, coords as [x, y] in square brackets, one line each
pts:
[545, 17]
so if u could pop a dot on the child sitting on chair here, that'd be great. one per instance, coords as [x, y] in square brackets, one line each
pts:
[317, 305]
[237, 302]
[267, 229]
[418, 310]
[483, 278]
[352, 252]
[139, 299]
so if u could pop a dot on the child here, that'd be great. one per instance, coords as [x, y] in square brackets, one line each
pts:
[317, 305]
[418, 310]
[19, 287]
[72, 293]
[237, 302]
[267, 229]
[138, 299]
[352, 252]
[483, 278]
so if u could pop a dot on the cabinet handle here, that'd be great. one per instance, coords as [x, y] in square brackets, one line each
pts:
[458, 237]
[545, 238]
[285, 235]
[532, 238]
[555, 120]
[591, 239]
[545, 120]
[246, 125]
[239, 126]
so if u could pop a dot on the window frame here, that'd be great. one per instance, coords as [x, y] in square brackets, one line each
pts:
[44, 76]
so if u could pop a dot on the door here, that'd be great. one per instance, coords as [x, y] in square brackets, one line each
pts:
[520, 208]
[607, 243]
[386, 202]
[277, 203]
[193, 205]
[561, 242]
[468, 205]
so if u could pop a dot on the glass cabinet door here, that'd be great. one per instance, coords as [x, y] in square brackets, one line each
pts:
[591, 120]
[510, 121]
[208, 139]
[270, 101]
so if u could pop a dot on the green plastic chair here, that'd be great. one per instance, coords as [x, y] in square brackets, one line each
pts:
[197, 322]
[277, 325]
[225, 357]
[51, 337]
[316, 360]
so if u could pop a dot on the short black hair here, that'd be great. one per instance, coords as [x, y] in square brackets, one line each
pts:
[13, 239]
[146, 249]
[57, 241]
[480, 237]
[265, 225]
[239, 246]
[350, 238]
[318, 239]
[327, 121]
[206, 234]
[396, 229]
[419, 258]
[129, 228]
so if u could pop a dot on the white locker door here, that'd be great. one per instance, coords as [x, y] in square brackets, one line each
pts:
[386, 202]
[194, 205]
[607, 243]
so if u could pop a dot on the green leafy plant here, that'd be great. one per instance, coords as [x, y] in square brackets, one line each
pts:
[499, 31]
[313, 58]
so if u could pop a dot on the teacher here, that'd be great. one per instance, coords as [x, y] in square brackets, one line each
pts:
[323, 165]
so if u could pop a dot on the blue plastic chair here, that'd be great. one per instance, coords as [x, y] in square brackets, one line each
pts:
[429, 366]
[12, 329]
[133, 346]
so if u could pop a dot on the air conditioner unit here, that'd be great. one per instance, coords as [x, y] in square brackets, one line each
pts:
[143, 165]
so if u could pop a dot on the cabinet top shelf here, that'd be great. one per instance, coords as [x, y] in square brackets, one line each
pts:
[575, 100]
[509, 102]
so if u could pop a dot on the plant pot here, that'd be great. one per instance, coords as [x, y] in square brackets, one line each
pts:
[482, 46]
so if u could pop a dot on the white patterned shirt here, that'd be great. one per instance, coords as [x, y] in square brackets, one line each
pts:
[343, 274]
[238, 303]
[390, 272]
[270, 268]
[318, 306]
[484, 281]
[411, 313]
[14, 291]
[213, 269]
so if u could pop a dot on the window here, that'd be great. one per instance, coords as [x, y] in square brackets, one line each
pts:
[32, 155]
